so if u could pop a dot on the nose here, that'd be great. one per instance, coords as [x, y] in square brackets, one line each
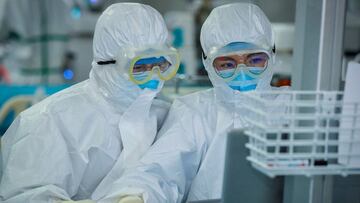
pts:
[149, 67]
[241, 59]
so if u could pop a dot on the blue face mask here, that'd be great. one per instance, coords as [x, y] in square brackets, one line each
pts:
[151, 84]
[242, 82]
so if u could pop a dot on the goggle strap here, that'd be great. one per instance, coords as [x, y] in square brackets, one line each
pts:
[106, 62]
[203, 55]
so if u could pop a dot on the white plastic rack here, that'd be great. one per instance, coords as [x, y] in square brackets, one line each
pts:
[303, 133]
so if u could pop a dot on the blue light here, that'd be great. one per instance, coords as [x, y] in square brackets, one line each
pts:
[68, 74]
[76, 12]
[93, 1]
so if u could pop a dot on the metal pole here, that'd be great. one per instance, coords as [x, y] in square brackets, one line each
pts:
[318, 53]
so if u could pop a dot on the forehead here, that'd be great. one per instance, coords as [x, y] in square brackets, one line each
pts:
[245, 56]
[239, 46]
[235, 47]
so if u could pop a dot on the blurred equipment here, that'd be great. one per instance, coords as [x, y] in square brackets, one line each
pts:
[240, 177]
[351, 143]
[16, 98]
[181, 27]
[2, 8]
[36, 33]
[78, 6]
[16, 104]
[200, 17]
[352, 29]
[68, 67]
[284, 42]
[303, 133]
[4, 73]
[83, 20]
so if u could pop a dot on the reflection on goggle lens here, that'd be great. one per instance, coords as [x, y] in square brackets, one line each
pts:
[229, 62]
[147, 64]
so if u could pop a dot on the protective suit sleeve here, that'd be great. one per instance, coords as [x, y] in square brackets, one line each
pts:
[36, 162]
[166, 171]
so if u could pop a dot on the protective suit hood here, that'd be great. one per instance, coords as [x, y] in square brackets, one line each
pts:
[140, 25]
[237, 22]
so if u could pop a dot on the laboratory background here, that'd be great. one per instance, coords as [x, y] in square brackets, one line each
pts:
[46, 46]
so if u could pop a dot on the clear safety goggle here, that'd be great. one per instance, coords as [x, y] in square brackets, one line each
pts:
[231, 59]
[163, 63]
[253, 64]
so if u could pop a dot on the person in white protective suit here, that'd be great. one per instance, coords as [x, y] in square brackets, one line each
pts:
[187, 161]
[74, 142]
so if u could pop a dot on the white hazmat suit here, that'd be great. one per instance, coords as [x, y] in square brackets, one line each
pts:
[187, 161]
[63, 147]
[38, 34]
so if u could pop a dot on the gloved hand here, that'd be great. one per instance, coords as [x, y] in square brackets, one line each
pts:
[81, 201]
[131, 199]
